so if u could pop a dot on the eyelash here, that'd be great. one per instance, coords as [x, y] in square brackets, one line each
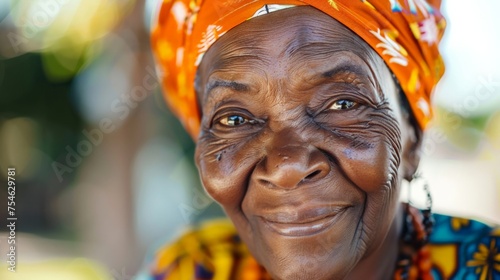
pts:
[345, 102]
[326, 102]
[226, 117]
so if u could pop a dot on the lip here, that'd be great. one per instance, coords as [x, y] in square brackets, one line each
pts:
[303, 222]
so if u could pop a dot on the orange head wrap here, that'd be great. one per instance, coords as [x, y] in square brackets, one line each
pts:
[405, 33]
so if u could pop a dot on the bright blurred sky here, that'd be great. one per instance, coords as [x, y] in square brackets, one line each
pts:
[471, 49]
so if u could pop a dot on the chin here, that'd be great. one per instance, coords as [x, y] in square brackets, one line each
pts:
[317, 266]
[328, 254]
[313, 273]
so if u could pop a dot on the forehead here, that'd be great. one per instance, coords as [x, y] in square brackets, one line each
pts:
[299, 33]
[300, 40]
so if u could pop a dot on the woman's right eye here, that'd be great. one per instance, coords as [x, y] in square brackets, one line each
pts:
[233, 120]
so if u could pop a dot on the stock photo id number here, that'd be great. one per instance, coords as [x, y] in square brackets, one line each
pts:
[11, 219]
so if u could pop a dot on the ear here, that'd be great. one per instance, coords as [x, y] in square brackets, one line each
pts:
[412, 147]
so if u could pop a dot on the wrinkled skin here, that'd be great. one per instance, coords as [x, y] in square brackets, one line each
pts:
[304, 145]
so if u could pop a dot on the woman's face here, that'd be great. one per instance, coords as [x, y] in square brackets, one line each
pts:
[302, 142]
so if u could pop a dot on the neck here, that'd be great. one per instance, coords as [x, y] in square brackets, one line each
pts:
[382, 261]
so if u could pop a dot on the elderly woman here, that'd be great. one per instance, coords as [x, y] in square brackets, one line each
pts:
[308, 115]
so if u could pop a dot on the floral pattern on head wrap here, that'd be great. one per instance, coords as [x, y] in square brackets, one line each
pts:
[405, 33]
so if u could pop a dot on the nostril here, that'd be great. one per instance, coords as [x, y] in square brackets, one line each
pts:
[312, 175]
[264, 182]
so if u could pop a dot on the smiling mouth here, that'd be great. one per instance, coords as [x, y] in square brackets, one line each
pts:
[283, 224]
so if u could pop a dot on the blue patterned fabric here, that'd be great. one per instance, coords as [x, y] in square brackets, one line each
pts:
[464, 249]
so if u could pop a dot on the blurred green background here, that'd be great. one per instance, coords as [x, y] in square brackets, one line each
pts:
[105, 172]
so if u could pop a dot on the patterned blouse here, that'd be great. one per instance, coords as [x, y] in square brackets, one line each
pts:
[460, 249]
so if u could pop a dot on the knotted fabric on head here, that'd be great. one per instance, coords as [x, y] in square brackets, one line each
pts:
[405, 33]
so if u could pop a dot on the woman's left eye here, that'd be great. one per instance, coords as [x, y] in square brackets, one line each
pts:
[233, 120]
[343, 104]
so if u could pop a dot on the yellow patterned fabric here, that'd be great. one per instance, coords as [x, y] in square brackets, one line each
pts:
[460, 249]
[212, 251]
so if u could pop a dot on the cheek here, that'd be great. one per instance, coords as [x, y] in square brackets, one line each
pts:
[370, 158]
[224, 170]
[368, 168]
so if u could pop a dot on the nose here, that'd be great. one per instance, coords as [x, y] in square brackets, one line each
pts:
[292, 165]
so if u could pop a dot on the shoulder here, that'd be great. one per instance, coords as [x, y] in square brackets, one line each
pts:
[464, 249]
[212, 250]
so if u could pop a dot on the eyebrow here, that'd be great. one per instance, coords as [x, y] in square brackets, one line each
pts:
[355, 69]
[344, 67]
[235, 86]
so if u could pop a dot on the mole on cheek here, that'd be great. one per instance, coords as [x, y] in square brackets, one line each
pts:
[218, 156]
